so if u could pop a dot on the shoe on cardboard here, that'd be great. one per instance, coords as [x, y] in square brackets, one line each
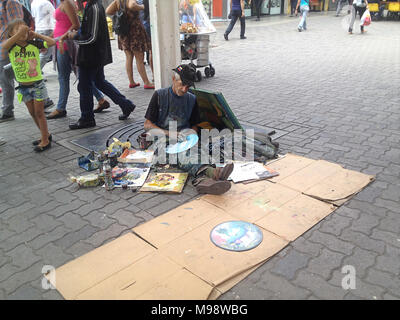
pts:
[211, 186]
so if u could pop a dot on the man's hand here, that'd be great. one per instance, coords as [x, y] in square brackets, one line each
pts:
[72, 34]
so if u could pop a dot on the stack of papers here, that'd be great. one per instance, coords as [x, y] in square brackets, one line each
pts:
[250, 171]
[136, 156]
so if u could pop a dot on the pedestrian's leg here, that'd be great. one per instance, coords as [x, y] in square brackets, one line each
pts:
[97, 93]
[64, 72]
[85, 88]
[301, 23]
[129, 67]
[7, 84]
[141, 68]
[151, 62]
[31, 108]
[353, 18]
[338, 7]
[231, 24]
[242, 26]
[305, 12]
[361, 10]
[258, 8]
[42, 122]
[109, 90]
[292, 7]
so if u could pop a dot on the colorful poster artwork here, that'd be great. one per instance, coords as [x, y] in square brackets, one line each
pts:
[165, 182]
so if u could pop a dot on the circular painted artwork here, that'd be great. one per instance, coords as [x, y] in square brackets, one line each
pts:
[236, 235]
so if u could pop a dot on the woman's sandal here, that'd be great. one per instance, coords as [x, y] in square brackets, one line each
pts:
[134, 85]
[36, 142]
[40, 149]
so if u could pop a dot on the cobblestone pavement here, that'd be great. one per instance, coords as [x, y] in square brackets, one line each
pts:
[336, 96]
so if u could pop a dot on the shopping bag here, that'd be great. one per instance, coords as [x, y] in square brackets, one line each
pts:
[366, 18]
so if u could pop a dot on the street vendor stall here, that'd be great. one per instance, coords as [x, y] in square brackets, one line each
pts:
[195, 30]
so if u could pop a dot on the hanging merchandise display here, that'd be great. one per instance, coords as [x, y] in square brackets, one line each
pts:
[193, 18]
[236, 236]
[195, 29]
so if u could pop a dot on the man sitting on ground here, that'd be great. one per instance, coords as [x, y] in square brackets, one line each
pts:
[177, 104]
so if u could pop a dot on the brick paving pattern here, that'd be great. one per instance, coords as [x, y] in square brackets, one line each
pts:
[336, 95]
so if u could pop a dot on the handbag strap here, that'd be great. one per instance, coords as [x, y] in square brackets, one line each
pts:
[120, 5]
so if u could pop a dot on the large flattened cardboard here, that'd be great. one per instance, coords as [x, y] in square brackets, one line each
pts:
[197, 253]
[94, 267]
[177, 222]
[323, 180]
[152, 277]
[182, 262]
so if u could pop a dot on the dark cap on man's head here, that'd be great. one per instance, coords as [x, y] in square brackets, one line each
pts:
[187, 73]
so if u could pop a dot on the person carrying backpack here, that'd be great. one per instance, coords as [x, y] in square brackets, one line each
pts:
[9, 10]
[359, 6]
[93, 55]
[304, 9]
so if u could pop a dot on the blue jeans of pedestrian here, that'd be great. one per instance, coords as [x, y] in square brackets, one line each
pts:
[304, 11]
[7, 84]
[88, 76]
[64, 71]
[237, 14]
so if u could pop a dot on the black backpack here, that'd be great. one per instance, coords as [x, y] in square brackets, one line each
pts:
[120, 20]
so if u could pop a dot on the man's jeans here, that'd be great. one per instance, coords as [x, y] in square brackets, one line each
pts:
[293, 4]
[7, 84]
[237, 14]
[85, 87]
[46, 55]
[64, 71]
[257, 7]
[304, 11]
[340, 5]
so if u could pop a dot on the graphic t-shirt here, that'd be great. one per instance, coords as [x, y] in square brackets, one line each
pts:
[25, 61]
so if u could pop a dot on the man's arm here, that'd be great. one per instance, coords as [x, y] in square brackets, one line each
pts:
[93, 27]
[297, 6]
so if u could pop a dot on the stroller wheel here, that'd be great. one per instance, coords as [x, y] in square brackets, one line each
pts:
[198, 76]
[207, 72]
[212, 71]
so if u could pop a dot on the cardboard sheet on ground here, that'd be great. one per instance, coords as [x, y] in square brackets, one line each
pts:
[320, 179]
[182, 262]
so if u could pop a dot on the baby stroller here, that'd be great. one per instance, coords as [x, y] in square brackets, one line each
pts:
[195, 47]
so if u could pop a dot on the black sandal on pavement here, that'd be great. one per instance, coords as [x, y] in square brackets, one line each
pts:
[41, 149]
[36, 142]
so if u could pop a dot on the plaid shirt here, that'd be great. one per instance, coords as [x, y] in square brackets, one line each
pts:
[13, 11]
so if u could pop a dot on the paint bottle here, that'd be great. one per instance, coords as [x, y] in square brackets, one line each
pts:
[108, 181]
